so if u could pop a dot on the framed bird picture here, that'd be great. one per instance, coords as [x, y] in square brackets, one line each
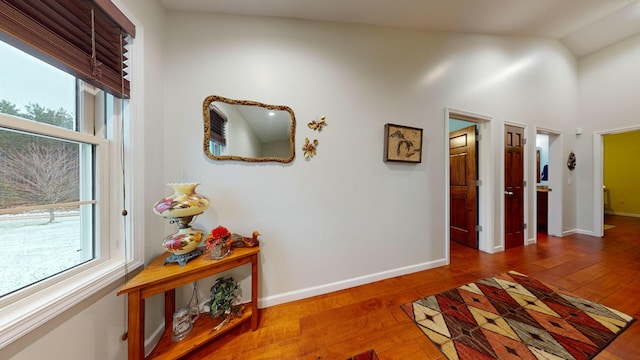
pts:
[402, 143]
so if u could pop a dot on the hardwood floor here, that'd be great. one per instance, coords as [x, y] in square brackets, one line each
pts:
[345, 323]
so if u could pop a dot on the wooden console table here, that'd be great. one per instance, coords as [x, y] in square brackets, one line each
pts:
[158, 278]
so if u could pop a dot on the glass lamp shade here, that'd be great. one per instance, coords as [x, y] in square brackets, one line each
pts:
[183, 202]
[184, 241]
[181, 207]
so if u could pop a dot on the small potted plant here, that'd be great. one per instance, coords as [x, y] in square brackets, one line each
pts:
[224, 293]
[218, 242]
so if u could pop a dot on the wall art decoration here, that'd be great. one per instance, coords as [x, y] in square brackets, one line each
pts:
[402, 143]
[571, 161]
[309, 148]
[318, 125]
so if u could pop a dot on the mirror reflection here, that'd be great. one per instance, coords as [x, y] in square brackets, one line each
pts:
[247, 130]
[542, 159]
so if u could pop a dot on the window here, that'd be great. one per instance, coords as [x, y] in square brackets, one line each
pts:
[47, 188]
[63, 182]
[218, 131]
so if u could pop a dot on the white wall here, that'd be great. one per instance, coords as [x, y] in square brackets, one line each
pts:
[345, 217]
[91, 330]
[608, 92]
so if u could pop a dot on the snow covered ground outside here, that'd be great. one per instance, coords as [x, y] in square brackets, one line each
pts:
[32, 248]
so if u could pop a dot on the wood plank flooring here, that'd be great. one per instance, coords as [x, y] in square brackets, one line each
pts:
[344, 323]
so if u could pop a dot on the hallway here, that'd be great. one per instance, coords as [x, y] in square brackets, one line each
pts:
[347, 322]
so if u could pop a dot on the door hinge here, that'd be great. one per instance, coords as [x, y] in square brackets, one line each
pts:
[524, 141]
[478, 137]
[525, 183]
[525, 225]
[478, 227]
[478, 182]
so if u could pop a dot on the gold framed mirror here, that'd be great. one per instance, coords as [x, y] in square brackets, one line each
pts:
[248, 130]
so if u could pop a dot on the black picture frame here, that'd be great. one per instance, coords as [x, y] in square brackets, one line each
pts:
[402, 143]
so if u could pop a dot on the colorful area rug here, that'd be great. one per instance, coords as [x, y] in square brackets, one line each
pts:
[367, 355]
[512, 316]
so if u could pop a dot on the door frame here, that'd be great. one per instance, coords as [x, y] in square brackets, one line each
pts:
[555, 208]
[485, 175]
[598, 176]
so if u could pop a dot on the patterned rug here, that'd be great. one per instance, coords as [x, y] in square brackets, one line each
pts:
[367, 355]
[512, 316]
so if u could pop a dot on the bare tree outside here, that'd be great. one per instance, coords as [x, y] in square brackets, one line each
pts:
[41, 174]
[36, 170]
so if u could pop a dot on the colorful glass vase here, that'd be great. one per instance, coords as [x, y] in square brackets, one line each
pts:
[181, 207]
[183, 202]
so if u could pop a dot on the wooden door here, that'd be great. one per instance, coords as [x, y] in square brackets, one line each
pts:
[463, 205]
[513, 187]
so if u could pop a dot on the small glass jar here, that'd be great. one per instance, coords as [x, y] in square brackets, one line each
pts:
[219, 251]
[182, 324]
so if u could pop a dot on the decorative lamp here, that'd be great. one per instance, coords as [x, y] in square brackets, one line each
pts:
[182, 207]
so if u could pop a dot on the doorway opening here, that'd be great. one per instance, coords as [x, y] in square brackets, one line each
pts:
[548, 199]
[468, 178]
[599, 189]
[463, 182]
[621, 176]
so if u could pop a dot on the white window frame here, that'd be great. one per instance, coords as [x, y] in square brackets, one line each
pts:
[121, 246]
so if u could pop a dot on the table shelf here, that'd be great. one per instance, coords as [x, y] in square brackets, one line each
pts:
[159, 278]
[203, 331]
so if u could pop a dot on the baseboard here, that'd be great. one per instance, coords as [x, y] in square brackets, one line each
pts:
[345, 284]
[152, 341]
[571, 232]
[622, 214]
[586, 232]
[530, 241]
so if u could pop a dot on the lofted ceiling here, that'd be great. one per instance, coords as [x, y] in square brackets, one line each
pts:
[584, 26]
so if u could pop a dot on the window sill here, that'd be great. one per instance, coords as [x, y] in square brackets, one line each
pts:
[24, 315]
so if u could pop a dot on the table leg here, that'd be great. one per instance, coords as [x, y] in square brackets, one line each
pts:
[136, 326]
[254, 292]
[169, 307]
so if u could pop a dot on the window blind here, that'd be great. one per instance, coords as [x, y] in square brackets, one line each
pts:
[216, 126]
[86, 38]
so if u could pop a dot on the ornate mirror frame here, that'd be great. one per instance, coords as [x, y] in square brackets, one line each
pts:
[207, 129]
